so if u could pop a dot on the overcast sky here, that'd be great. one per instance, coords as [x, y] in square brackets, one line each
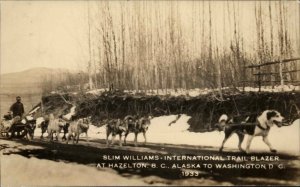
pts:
[55, 33]
[43, 34]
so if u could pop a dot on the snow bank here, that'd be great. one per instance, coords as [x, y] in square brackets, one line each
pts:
[97, 132]
[197, 92]
[97, 91]
[69, 115]
[284, 88]
[284, 139]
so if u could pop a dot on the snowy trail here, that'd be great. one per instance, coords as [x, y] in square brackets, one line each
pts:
[285, 139]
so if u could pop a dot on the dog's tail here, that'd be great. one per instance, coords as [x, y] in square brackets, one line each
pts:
[223, 118]
[222, 122]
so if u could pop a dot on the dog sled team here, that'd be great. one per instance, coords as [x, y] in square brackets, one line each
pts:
[72, 129]
[12, 125]
[252, 126]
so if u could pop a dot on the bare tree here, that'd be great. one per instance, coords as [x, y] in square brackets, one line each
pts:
[91, 85]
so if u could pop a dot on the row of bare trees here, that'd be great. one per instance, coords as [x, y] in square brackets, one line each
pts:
[187, 44]
[274, 41]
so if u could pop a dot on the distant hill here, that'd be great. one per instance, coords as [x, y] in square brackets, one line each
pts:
[28, 81]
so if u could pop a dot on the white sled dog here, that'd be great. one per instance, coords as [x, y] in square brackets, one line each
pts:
[78, 127]
[262, 127]
[55, 125]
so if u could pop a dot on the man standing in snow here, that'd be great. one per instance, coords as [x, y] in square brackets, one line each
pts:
[17, 108]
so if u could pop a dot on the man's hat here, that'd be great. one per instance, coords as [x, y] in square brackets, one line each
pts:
[18, 97]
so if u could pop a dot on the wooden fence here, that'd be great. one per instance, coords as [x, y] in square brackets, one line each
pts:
[256, 70]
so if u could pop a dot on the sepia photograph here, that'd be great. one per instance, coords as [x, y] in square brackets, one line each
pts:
[149, 93]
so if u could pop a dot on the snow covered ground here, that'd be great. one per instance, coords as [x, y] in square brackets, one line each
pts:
[285, 88]
[284, 139]
[17, 170]
[197, 92]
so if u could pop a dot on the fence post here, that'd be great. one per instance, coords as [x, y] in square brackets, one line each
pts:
[280, 73]
[259, 81]
[244, 78]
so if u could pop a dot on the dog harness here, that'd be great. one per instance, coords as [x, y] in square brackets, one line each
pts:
[261, 127]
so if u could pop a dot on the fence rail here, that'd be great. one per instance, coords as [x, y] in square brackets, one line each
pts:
[274, 73]
[264, 74]
[274, 62]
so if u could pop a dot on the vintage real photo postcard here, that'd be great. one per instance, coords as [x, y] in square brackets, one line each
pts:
[144, 92]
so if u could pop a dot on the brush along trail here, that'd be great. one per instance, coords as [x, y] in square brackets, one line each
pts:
[204, 109]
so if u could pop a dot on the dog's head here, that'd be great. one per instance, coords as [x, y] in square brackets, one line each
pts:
[130, 122]
[87, 120]
[50, 117]
[121, 125]
[129, 119]
[145, 123]
[274, 117]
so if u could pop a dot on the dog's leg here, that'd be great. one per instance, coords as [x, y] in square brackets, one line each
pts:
[107, 135]
[77, 137]
[51, 135]
[120, 139]
[64, 138]
[87, 137]
[31, 134]
[113, 138]
[57, 135]
[144, 134]
[26, 135]
[43, 131]
[249, 143]
[67, 138]
[227, 136]
[135, 138]
[126, 134]
[266, 140]
[73, 137]
[241, 138]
